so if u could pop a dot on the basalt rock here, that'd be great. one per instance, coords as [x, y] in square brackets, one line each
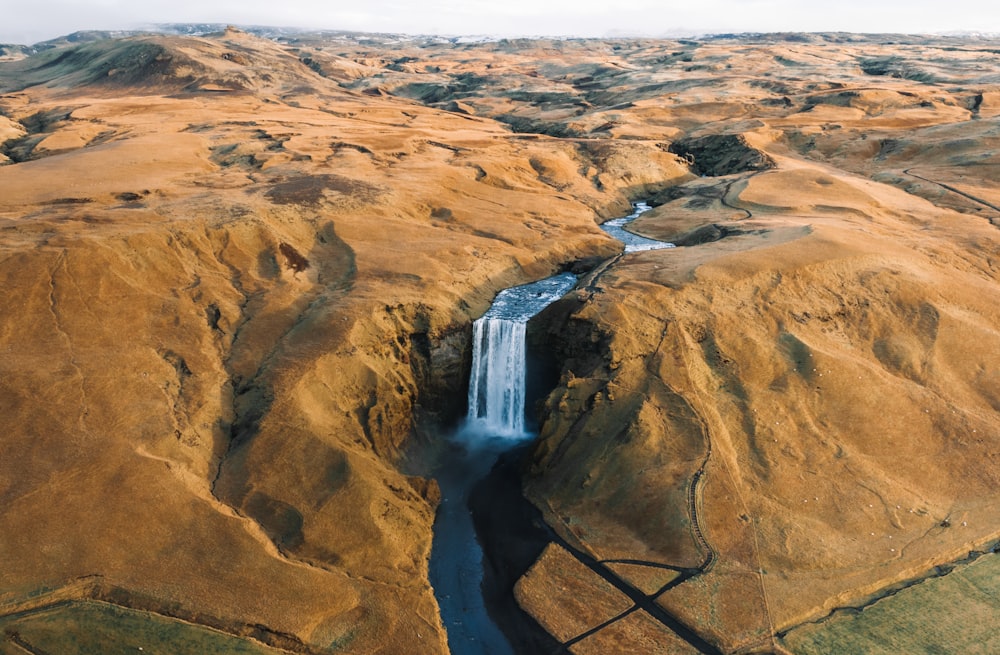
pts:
[721, 154]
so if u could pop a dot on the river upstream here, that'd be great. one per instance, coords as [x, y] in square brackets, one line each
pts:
[495, 424]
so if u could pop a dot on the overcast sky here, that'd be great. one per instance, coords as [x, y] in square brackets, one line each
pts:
[30, 21]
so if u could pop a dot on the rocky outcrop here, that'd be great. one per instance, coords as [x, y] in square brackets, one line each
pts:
[721, 154]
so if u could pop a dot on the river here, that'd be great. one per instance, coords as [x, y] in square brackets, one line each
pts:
[495, 424]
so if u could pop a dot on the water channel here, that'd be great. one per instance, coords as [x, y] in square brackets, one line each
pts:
[633, 242]
[495, 424]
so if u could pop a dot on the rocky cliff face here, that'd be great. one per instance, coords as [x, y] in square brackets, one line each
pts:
[721, 154]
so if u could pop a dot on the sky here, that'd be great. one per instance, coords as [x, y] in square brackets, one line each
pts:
[29, 21]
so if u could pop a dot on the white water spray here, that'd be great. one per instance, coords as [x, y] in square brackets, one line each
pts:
[496, 386]
[497, 380]
[494, 425]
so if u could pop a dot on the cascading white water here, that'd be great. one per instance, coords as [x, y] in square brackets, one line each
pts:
[496, 384]
[497, 378]
[497, 381]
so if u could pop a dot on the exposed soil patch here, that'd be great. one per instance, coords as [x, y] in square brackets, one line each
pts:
[313, 189]
[293, 258]
[707, 234]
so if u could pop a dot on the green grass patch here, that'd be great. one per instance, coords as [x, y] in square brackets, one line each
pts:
[90, 627]
[956, 613]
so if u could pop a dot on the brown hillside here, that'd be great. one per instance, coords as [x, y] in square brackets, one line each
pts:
[239, 275]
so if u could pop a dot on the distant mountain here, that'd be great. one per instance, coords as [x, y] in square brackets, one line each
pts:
[987, 36]
[17, 51]
[12, 51]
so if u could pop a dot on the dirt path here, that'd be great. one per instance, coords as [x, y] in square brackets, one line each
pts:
[948, 187]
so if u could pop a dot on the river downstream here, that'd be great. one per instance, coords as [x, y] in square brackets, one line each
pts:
[494, 425]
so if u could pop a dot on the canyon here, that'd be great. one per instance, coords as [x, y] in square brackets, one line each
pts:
[240, 275]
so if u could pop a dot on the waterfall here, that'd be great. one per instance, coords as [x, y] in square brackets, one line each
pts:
[495, 424]
[498, 377]
[496, 384]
